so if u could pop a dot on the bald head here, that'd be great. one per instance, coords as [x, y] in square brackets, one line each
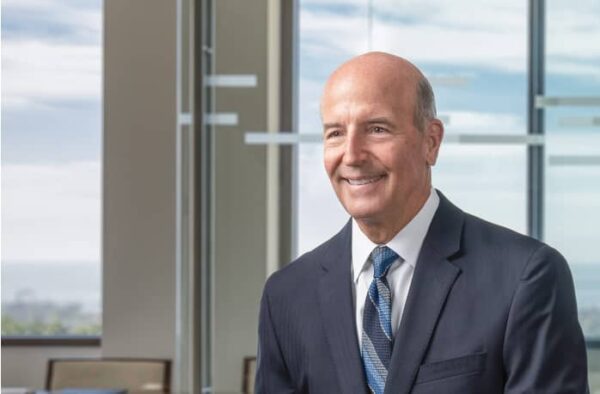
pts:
[378, 146]
[390, 75]
[375, 64]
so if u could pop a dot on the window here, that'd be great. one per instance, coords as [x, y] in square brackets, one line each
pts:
[51, 168]
[477, 63]
[572, 208]
[480, 90]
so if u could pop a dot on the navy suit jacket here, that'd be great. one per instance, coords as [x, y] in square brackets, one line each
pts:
[488, 311]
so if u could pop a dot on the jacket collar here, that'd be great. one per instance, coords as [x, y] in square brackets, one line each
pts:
[337, 311]
[433, 278]
[432, 281]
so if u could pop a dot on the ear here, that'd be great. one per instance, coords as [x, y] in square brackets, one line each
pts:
[434, 133]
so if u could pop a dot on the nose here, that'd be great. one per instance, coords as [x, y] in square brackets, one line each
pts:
[354, 152]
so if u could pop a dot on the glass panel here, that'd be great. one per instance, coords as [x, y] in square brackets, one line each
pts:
[572, 209]
[476, 61]
[477, 67]
[242, 215]
[489, 180]
[573, 150]
[321, 24]
[51, 147]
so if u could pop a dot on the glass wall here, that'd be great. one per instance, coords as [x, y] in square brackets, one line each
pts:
[51, 169]
[477, 64]
[242, 230]
[572, 157]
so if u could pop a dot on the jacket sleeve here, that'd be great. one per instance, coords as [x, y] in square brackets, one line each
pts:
[272, 375]
[544, 348]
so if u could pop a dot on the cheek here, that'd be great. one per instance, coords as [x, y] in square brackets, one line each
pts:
[407, 166]
[330, 161]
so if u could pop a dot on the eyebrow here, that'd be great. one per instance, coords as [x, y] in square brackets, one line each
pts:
[380, 120]
[331, 125]
[384, 121]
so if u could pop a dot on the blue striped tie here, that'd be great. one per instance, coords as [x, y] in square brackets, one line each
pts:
[377, 327]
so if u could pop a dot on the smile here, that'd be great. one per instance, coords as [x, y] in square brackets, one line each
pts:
[363, 181]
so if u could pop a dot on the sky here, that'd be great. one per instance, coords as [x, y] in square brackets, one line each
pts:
[485, 49]
[51, 130]
[52, 114]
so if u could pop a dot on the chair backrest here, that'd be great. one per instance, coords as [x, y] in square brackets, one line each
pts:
[132, 374]
[249, 372]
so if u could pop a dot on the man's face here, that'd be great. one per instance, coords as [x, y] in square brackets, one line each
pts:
[375, 157]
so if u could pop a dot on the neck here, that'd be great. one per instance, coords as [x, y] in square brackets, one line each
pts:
[381, 230]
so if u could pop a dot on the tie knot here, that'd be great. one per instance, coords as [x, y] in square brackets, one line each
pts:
[382, 258]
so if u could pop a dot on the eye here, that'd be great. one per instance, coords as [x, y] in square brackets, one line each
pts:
[378, 130]
[333, 134]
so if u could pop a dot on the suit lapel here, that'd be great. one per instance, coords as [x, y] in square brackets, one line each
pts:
[337, 311]
[432, 281]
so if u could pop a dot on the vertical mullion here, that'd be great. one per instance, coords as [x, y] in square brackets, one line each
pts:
[287, 109]
[535, 119]
[203, 104]
[293, 121]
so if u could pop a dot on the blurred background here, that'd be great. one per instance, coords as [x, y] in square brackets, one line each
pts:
[160, 159]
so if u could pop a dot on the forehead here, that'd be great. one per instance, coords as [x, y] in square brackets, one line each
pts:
[367, 94]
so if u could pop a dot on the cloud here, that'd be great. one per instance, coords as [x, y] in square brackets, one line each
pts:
[434, 44]
[324, 35]
[483, 122]
[52, 21]
[51, 212]
[457, 121]
[320, 215]
[50, 51]
[35, 71]
[573, 67]
[51, 67]
[493, 36]
[486, 180]
[570, 142]
[572, 216]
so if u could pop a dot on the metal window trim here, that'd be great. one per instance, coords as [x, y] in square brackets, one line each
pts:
[51, 341]
[542, 101]
[291, 138]
[535, 118]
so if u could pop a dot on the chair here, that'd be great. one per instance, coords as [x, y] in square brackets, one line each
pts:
[249, 372]
[134, 375]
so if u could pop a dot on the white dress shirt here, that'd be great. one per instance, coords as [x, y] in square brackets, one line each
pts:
[407, 244]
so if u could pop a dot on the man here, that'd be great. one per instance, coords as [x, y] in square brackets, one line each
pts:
[412, 295]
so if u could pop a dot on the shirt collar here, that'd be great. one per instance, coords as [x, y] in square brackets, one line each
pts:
[407, 243]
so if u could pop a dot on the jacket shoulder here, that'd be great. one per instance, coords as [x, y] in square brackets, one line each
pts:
[491, 233]
[300, 273]
[504, 245]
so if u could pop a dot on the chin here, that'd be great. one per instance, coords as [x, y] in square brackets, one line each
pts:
[358, 212]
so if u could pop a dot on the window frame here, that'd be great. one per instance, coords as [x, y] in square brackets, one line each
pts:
[57, 340]
[51, 341]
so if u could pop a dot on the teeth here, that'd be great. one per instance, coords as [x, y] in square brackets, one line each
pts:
[363, 181]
